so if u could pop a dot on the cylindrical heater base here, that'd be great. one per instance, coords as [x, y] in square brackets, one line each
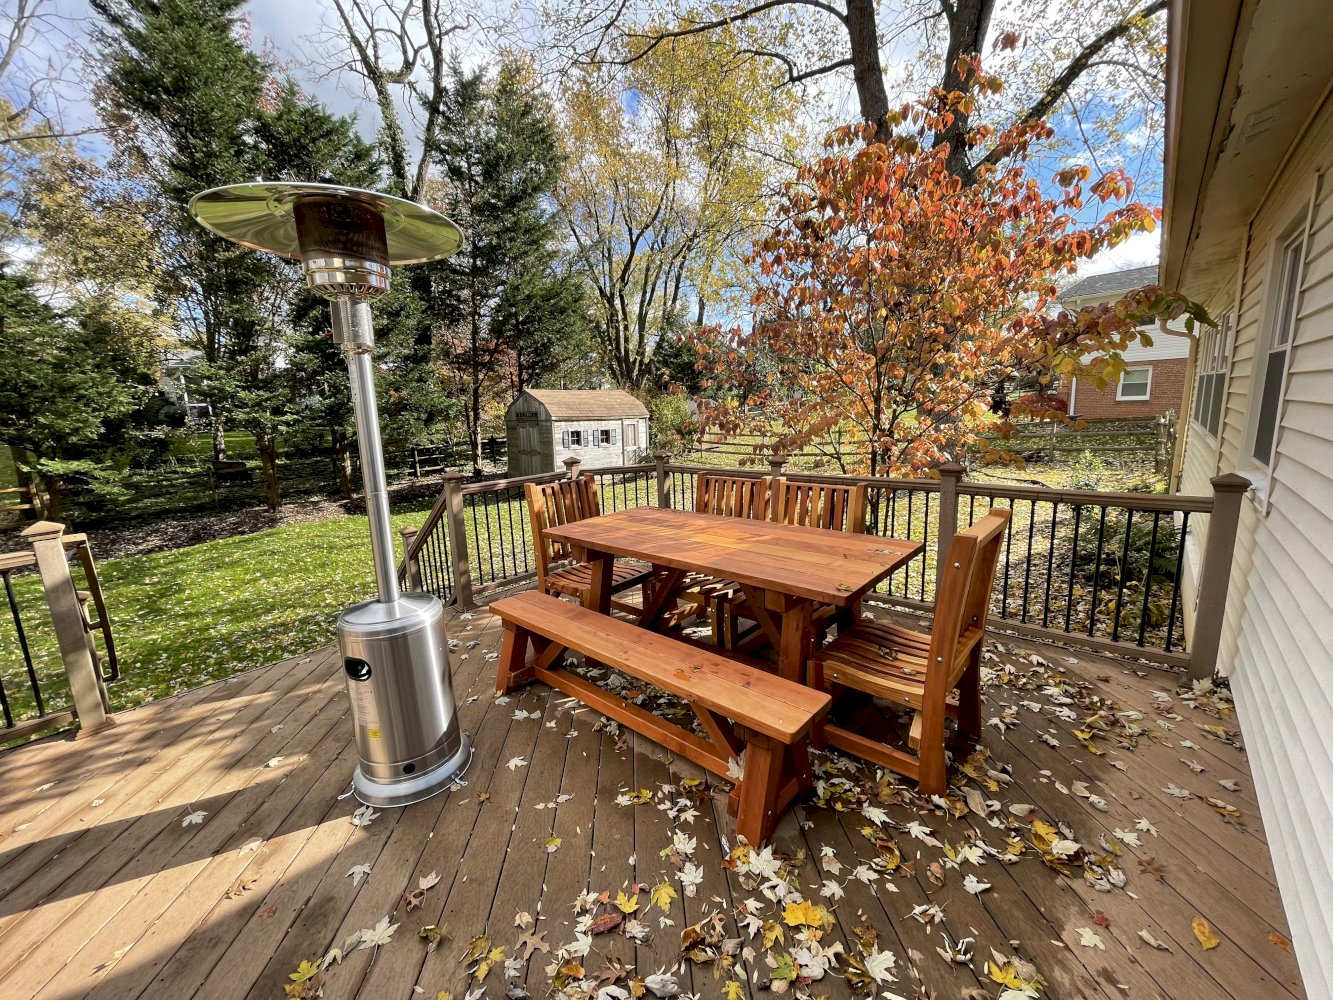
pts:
[396, 662]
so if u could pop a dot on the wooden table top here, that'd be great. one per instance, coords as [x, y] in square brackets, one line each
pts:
[832, 567]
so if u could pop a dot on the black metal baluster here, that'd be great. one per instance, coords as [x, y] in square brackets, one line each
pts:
[1120, 585]
[1097, 571]
[23, 647]
[925, 551]
[1147, 577]
[1008, 548]
[1027, 563]
[1175, 584]
[1073, 566]
[1050, 566]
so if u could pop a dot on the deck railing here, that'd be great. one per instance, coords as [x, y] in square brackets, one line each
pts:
[1100, 569]
[78, 616]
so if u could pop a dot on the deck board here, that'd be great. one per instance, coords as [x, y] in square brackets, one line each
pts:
[120, 902]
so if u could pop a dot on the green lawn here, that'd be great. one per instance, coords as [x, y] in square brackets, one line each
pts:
[189, 616]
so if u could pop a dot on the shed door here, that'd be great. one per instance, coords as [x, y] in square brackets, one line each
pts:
[530, 457]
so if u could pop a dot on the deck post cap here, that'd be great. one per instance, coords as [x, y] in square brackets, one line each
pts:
[43, 530]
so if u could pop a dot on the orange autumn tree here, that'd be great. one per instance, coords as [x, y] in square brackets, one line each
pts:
[894, 301]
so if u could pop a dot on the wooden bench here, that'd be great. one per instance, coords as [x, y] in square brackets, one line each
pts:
[225, 470]
[739, 707]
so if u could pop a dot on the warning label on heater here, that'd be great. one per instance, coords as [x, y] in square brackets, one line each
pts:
[364, 708]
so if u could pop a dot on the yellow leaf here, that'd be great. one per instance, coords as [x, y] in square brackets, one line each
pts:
[627, 904]
[773, 933]
[733, 990]
[1203, 933]
[806, 914]
[661, 897]
[304, 971]
[552, 844]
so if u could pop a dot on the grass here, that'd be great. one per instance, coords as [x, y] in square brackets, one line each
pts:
[189, 616]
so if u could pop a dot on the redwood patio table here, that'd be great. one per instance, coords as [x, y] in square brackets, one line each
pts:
[785, 571]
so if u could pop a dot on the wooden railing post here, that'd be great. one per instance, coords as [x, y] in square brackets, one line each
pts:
[1215, 573]
[951, 473]
[572, 466]
[85, 680]
[411, 568]
[453, 499]
[663, 479]
[777, 465]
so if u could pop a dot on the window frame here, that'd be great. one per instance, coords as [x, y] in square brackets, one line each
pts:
[1212, 368]
[575, 438]
[1120, 397]
[1279, 339]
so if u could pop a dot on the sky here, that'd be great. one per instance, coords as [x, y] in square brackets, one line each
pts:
[291, 29]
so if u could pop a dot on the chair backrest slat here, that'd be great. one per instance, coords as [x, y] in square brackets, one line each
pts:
[554, 504]
[836, 506]
[731, 496]
[963, 603]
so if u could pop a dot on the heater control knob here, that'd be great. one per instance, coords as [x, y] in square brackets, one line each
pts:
[357, 669]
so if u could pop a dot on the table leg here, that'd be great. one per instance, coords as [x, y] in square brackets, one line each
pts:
[598, 597]
[797, 641]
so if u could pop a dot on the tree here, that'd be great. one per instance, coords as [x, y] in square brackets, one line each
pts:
[895, 299]
[198, 116]
[70, 385]
[668, 170]
[499, 162]
[807, 40]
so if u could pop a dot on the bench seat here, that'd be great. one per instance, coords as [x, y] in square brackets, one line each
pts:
[738, 706]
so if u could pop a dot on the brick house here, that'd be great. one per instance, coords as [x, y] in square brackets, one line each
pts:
[1153, 382]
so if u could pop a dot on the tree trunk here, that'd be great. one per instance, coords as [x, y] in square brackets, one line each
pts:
[54, 488]
[867, 72]
[268, 454]
[219, 434]
[342, 460]
[968, 25]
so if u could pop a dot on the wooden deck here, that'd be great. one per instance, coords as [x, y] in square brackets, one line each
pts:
[108, 890]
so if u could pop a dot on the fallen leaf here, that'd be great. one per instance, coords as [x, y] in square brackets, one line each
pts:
[357, 872]
[1152, 941]
[1279, 941]
[363, 816]
[1203, 933]
[377, 936]
[1089, 938]
[661, 896]
[268, 912]
[428, 881]
[195, 818]
[1151, 866]
[606, 923]
[552, 844]
[515, 763]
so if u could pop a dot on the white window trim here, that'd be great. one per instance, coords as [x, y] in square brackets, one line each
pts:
[1120, 385]
[1262, 477]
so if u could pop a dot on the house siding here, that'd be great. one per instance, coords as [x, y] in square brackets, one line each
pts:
[1276, 642]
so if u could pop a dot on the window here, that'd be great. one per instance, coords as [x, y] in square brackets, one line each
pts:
[1273, 366]
[1211, 366]
[605, 437]
[1135, 384]
[573, 439]
[632, 435]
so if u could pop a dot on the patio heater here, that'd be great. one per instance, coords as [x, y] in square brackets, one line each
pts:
[395, 650]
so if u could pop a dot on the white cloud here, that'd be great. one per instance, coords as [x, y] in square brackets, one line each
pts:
[1139, 250]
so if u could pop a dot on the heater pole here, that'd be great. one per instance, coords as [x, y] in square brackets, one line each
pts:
[353, 329]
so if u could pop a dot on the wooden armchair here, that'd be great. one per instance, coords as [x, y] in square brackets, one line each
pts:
[727, 496]
[919, 670]
[566, 500]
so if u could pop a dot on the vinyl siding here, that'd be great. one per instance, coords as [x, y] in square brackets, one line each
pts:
[1277, 642]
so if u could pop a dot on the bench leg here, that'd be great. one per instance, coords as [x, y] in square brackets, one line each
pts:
[513, 670]
[756, 812]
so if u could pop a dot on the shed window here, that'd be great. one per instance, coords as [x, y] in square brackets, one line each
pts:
[632, 435]
[1135, 383]
[606, 437]
[573, 439]
[1274, 364]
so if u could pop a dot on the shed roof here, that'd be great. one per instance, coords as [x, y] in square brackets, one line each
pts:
[1109, 284]
[577, 403]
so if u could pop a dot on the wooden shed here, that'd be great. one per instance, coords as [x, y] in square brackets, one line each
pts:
[601, 427]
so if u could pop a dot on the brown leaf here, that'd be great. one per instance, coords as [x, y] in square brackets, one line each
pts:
[1151, 866]
[268, 912]
[1277, 939]
[1101, 919]
[414, 899]
[607, 922]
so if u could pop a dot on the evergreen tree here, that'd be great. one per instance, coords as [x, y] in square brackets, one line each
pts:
[72, 387]
[506, 296]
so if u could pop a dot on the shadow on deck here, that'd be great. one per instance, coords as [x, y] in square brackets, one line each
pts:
[204, 847]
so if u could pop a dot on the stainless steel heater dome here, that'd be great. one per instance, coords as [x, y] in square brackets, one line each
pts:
[395, 650]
